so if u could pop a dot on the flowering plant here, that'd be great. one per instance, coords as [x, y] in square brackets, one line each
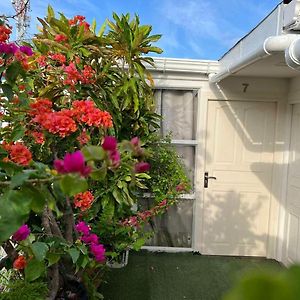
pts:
[67, 186]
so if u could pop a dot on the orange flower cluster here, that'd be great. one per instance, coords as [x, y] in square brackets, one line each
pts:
[18, 153]
[20, 263]
[63, 122]
[60, 38]
[83, 138]
[79, 20]
[58, 57]
[73, 76]
[4, 33]
[38, 137]
[83, 200]
[22, 58]
[86, 112]
[41, 60]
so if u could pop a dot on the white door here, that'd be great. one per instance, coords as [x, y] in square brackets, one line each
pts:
[239, 153]
[292, 250]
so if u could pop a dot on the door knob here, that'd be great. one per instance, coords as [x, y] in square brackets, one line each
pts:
[206, 177]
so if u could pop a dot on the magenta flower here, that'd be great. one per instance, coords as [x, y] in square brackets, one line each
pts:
[22, 233]
[115, 158]
[90, 239]
[98, 251]
[135, 141]
[82, 228]
[26, 50]
[109, 143]
[72, 163]
[180, 187]
[10, 48]
[142, 167]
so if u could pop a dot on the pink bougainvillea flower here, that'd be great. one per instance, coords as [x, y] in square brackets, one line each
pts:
[83, 228]
[90, 239]
[109, 143]
[72, 163]
[135, 141]
[26, 50]
[141, 167]
[163, 203]
[98, 251]
[22, 233]
[10, 48]
[115, 158]
[180, 187]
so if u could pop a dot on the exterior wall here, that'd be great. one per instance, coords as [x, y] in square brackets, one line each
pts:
[237, 89]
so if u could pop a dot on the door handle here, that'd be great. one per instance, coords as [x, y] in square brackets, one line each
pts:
[206, 177]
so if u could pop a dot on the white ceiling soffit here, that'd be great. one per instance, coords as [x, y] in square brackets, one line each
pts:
[277, 33]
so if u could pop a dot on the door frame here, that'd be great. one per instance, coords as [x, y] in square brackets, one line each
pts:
[276, 201]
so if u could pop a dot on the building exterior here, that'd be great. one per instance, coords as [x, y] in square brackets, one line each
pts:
[238, 120]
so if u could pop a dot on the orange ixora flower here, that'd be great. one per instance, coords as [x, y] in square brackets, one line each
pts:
[18, 153]
[20, 263]
[84, 200]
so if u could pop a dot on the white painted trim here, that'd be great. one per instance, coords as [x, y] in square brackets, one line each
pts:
[184, 142]
[276, 187]
[282, 221]
[197, 240]
[184, 65]
[180, 197]
[166, 249]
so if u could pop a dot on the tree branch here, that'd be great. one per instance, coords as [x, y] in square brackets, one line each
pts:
[53, 275]
[69, 221]
[18, 13]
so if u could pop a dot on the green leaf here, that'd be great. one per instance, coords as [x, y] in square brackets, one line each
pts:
[34, 270]
[72, 185]
[7, 90]
[18, 179]
[93, 153]
[51, 13]
[17, 133]
[13, 71]
[13, 213]
[39, 250]
[74, 253]
[52, 258]
[37, 197]
[102, 29]
[138, 244]
[118, 195]
[99, 174]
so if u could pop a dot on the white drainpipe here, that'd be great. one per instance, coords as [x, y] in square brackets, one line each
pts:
[290, 43]
[292, 55]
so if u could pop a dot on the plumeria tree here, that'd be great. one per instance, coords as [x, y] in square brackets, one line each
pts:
[67, 185]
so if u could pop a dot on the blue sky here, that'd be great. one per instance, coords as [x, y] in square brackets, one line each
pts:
[198, 29]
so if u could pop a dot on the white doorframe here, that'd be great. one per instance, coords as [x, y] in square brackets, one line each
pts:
[276, 193]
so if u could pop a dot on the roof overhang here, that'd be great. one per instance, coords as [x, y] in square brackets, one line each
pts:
[271, 49]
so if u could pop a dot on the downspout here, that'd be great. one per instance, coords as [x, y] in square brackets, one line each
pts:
[271, 45]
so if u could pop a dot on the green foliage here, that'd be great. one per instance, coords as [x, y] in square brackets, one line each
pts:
[268, 285]
[167, 170]
[71, 62]
[24, 290]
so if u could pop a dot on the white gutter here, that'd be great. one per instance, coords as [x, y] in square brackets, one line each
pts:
[288, 43]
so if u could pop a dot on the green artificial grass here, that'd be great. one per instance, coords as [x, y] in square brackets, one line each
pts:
[168, 276]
